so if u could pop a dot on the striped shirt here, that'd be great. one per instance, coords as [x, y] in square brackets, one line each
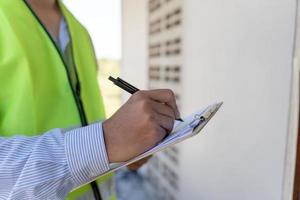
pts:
[51, 165]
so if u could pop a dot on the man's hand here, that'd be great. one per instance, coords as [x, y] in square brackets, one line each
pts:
[138, 164]
[141, 123]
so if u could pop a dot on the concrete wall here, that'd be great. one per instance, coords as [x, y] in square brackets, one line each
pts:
[239, 52]
[134, 43]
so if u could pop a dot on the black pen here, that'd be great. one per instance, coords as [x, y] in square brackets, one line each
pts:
[127, 87]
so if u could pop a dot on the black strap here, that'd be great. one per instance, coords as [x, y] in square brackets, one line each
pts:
[96, 191]
[95, 188]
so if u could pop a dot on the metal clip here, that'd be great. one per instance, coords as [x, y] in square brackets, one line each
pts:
[197, 118]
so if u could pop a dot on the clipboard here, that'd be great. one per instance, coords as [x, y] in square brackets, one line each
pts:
[191, 126]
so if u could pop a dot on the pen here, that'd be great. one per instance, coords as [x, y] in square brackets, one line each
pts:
[127, 87]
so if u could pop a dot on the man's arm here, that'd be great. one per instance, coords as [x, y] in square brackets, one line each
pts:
[51, 165]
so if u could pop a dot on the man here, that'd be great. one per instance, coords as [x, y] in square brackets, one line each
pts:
[48, 85]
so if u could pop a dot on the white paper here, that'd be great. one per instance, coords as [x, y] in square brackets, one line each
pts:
[190, 126]
[181, 131]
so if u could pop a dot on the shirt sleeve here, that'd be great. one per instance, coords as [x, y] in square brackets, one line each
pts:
[53, 164]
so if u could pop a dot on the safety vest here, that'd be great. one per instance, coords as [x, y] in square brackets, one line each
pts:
[36, 95]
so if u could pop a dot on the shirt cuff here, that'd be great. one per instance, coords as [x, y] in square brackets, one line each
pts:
[86, 153]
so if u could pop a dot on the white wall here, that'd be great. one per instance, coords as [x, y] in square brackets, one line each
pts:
[134, 43]
[239, 52]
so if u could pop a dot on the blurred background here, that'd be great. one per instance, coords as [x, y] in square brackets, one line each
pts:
[241, 52]
[103, 21]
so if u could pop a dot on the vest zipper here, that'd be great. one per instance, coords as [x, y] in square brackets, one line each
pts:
[76, 94]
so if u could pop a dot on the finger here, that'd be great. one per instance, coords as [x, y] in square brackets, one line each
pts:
[165, 122]
[163, 109]
[143, 161]
[138, 164]
[161, 133]
[164, 96]
[148, 157]
[133, 167]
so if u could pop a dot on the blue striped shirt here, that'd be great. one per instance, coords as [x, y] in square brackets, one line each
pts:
[51, 165]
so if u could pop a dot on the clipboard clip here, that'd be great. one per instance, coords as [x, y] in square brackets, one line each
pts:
[205, 116]
[198, 119]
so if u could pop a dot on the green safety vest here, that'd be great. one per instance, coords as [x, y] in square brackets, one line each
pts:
[36, 95]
